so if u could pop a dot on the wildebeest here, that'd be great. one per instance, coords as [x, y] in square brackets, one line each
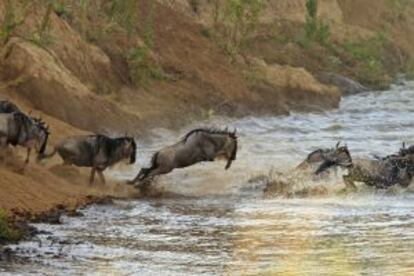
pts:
[404, 151]
[198, 145]
[281, 183]
[8, 107]
[318, 156]
[16, 128]
[95, 151]
[381, 173]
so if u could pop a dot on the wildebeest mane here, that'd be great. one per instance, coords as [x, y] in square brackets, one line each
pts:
[313, 152]
[210, 131]
[42, 125]
[107, 144]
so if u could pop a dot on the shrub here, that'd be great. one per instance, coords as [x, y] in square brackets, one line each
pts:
[140, 67]
[41, 37]
[367, 54]
[235, 21]
[408, 69]
[315, 29]
[7, 233]
[14, 15]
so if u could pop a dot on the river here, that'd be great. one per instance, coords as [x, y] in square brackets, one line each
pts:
[216, 222]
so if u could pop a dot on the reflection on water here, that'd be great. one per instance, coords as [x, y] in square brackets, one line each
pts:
[222, 225]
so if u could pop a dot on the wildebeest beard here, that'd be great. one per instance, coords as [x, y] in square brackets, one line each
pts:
[132, 159]
[233, 153]
[44, 128]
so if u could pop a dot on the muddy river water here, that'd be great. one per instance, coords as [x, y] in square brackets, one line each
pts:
[218, 223]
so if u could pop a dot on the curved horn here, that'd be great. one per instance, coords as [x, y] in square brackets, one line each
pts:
[403, 145]
[337, 144]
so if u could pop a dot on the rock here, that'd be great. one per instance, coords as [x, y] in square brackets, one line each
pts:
[344, 84]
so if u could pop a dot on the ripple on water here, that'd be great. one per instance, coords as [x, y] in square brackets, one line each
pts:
[220, 228]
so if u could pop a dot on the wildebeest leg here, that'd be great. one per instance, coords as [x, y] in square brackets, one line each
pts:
[101, 176]
[141, 175]
[3, 146]
[92, 176]
[28, 155]
[348, 182]
[156, 171]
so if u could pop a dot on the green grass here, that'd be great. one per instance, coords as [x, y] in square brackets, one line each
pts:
[408, 69]
[141, 68]
[7, 233]
[367, 56]
[315, 29]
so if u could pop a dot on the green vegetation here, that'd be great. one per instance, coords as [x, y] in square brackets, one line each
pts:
[195, 5]
[41, 37]
[124, 13]
[408, 69]
[399, 7]
[141, 68]
[315, 29]
[7, 233]
[368, 58]
[234, 23]
[15, 15]
[61, 8]
[240, 20]
[96, 20]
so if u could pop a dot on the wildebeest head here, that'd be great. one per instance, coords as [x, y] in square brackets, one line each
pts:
[128, 148]
[231, 148]
[339, 157]
[41, 135]
[406, 151]
[8, 107]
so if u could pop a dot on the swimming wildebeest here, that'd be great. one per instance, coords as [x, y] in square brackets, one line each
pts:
[404, 151]
[381, 173]
[282, 183]
[96, 151]
[19, 129]
[8, 107]
[318, 156]
[198, 145]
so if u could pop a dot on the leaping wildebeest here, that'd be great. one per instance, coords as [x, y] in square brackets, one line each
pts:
[16, 128]
[95, 151]
[198, 145]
